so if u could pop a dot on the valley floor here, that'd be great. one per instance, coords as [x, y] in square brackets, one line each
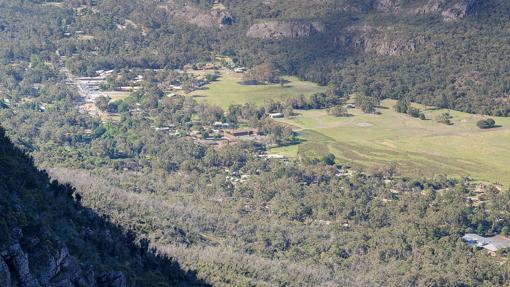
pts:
[419, 148]
[227, 90]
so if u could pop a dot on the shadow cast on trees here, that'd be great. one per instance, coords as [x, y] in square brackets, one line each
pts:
[55, 209]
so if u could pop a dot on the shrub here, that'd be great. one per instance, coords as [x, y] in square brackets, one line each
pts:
[413, 112]
[444, 118]
[486, 123]
[329, 159]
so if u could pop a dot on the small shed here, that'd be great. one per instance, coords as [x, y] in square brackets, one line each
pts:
[275, 115]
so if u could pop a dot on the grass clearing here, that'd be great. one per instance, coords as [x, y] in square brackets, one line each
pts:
[419, 148]
[227, 90]
[116, 95]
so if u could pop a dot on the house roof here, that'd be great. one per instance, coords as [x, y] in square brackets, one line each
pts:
[472, 237]
[493, 243]
[500, 241]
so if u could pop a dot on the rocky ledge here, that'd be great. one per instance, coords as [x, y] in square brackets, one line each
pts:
[450, 11]
[275, 29]
[35, 262]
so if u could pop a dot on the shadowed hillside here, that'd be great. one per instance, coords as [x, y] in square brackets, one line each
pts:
[48, 239]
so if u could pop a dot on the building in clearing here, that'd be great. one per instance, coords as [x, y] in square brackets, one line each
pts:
[221, 125]
[492, 244]
[275, 115]
[240, 133]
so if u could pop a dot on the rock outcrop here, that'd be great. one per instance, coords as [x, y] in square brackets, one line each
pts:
[460, 10]
[379, 41]
[48, 263]
[387, 5]
[214, 18]
[276, 29]
[449, 10]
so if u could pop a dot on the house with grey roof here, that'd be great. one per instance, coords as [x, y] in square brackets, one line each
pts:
[492, 244]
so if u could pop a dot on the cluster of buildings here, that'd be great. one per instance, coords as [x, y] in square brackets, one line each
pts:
[218, 134]
[90, 87]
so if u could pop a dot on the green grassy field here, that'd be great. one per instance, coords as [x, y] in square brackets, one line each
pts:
[227, 91]
[419, 148]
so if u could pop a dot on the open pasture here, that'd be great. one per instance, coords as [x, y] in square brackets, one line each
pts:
[418, 148]
[227, 90]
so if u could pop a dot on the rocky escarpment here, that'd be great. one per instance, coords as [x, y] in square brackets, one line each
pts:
[460, 10]
[31, 262]
[449, 10]
[214, 18]
[380, 41]
[275, 29]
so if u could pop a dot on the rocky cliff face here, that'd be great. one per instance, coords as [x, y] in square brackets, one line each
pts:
[388, 40]
[32, 263]
[460, 10]
[39, 258]
[380, 41]
[275, 29]
[214, 18]
[450, 10]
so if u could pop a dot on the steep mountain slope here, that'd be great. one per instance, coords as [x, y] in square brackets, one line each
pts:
[48, 239]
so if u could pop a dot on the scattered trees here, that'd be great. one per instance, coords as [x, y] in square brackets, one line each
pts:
[367, 104]
[315, 101]
[338, 111]
[263, 73]
[404, 106]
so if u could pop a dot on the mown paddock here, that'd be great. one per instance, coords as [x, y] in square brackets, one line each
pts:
[227, 90]
[419, 148]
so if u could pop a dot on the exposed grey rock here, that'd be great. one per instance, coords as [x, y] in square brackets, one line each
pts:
[275, 29]
[16, 233]
[460, 10]
[49, 262]
[432, 7]
[449, 10]
[387, 5]
[87, 278]
[5, 275]
[19, 263]
[111, 279]
[206, 19]
[50, 267]
[380, 41]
